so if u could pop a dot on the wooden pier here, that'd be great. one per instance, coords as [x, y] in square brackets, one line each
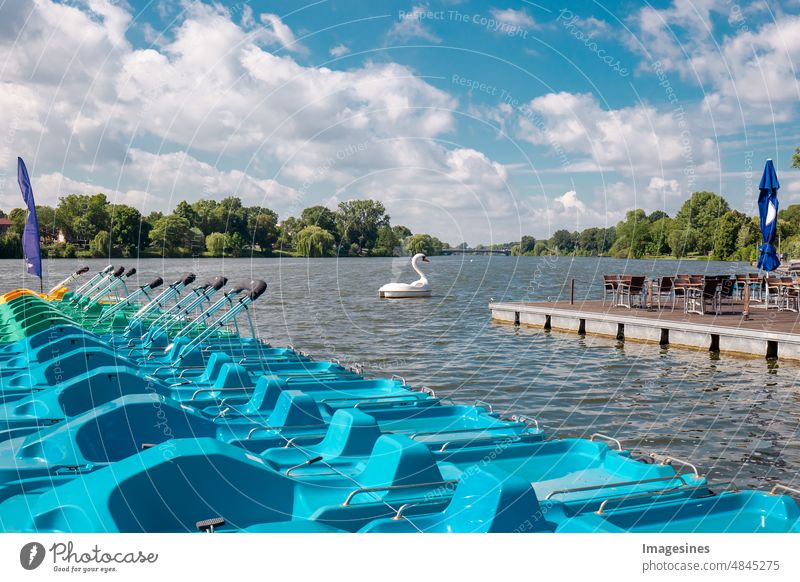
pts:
[765, 333]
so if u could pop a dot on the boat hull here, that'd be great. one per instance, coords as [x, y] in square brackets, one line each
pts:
[407, 294]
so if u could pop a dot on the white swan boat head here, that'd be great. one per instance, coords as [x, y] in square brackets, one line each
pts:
[419, 288]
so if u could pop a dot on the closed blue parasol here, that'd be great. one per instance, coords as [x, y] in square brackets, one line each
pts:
[768, 211]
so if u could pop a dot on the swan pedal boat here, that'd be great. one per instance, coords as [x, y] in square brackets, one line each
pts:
[419, 288]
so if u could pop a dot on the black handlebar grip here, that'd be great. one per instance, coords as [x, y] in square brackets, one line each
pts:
[81, 271]
[131, 272]
[219, 282]
[257, 289]
[155, 283]
[239, 287]
[188, 278]
[118, 271]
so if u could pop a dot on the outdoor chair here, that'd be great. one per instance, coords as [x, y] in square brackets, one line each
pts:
[774, 289]
[610, 287]
[756, 283]
[726, 293]
[791, 298]
[630, 287]
[679, 288]
[699, 297]
[664, 288]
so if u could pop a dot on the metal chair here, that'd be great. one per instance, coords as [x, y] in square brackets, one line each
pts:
[610, 286]
[664, 287]
[630, 287]
[698, 297]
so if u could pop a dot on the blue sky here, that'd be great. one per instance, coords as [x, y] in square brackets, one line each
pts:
[476, 121]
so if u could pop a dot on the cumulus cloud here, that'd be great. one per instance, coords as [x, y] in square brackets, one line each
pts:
[276, 32]
[629, 140]
[748, 76]
[513, 18]
[339, 50]
[210, 111]
[412, 25]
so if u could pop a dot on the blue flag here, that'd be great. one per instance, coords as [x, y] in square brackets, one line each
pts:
[768, 214]
[30, 236]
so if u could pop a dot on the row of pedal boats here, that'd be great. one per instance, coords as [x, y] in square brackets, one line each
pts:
[172, 419]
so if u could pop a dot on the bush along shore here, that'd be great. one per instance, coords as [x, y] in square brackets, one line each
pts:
[705, 227]
[90, 226]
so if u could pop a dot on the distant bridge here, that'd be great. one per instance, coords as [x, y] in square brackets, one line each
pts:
[502, 251]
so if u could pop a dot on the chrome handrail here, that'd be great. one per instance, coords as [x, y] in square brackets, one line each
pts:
[426, 390]
[231, 389]
[525, 419]
[517, 437]
[294, 439]
[615, 484]
[360, 490]
[608, 438]
[601, 509]
[267, 427]
[305, 463]
[482, 404]
[399, 514]
[398, 377]
[668, 460]
[779, 487]
[463, 430]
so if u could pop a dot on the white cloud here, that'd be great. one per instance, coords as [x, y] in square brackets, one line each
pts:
[339, 50]
[629, 140]
[123, 119]
[411, 25]
[513, 18]
[569, 202]
[748, 77]
[278, 33]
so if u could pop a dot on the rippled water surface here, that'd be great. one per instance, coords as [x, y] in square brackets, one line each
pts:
[737, 419]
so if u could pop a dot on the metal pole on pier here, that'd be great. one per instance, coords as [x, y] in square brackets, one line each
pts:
[572, 292]
[746, 312]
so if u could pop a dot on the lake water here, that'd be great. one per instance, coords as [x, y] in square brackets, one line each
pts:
[737, 419]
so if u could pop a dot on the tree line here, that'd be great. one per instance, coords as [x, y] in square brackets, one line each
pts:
[705, 226]
[90, 226]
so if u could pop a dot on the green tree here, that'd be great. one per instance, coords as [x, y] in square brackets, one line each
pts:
[563, 241]
[423, 243]
[526, 244]
[401, 232]
[82, 216]
[235, 243]
[796, 158]
[215, 244]
[701, 214]
[127, 229]
[230, 217]
[185, 210]
[171, 233]
[319, 216]
[287, 230]
[634, 235]
[100, 245]
[726, 237]
[541, 248]
[206, 216]
[314, 241]
[682, 241]
[387, 244]
[18, 216]
[358, 221]
[659, 235]
[262, 226]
